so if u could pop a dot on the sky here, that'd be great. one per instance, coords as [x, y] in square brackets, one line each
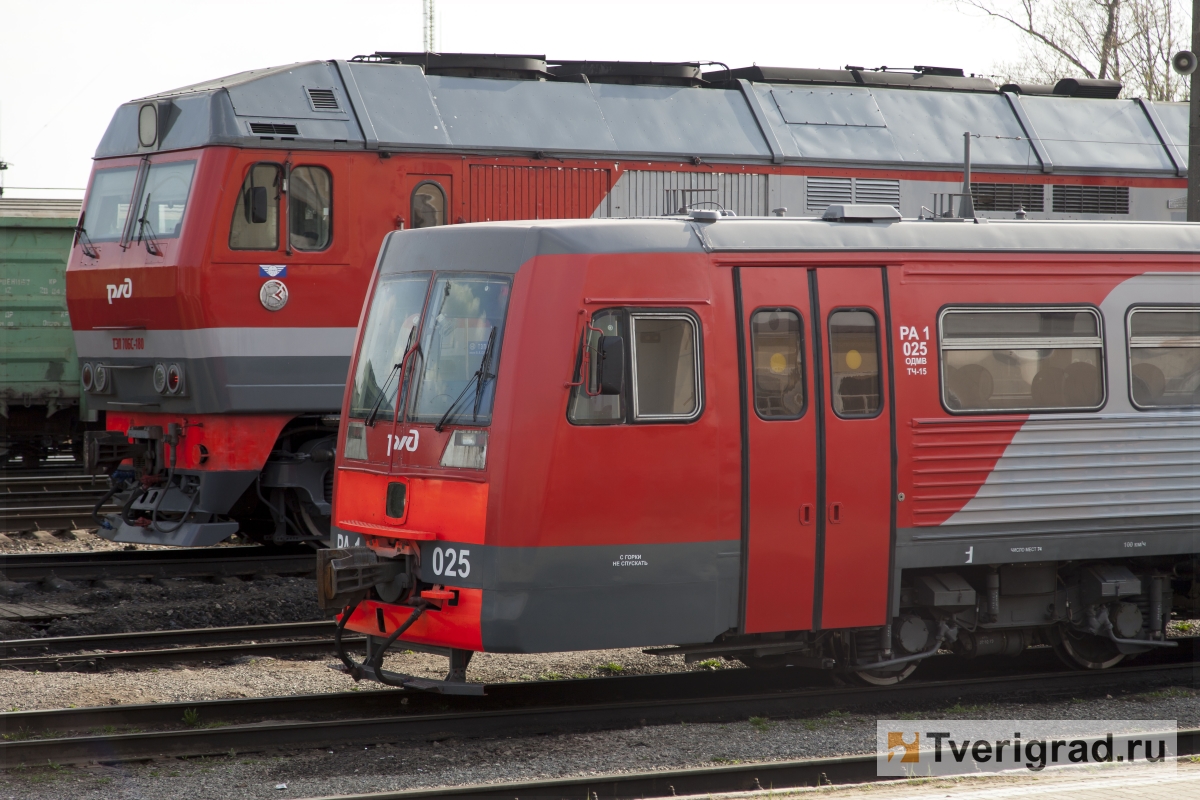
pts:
[65, 67]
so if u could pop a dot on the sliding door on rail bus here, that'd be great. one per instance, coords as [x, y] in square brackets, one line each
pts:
[818, 448]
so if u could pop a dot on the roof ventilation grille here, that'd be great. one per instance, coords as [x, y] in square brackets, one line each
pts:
[323, 100]
[276, 128]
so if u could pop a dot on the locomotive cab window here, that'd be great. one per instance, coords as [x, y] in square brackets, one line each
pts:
[310, 207]
[638, 367]
[854, 363]
[1021, 359]
[255, 224]
[428, 205]
[163, 199]
[777, 351]
[1164, 357]
[109, 203]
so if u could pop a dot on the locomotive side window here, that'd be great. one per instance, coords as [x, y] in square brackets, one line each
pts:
[163, 199]
[777, 350]
[1164, 357]
[255, 224]
[428, 205]
[854, 363]
[588, 406]
[310, 206]
[391, 331]
[666, 367]
[1021, 359]
[108, 203]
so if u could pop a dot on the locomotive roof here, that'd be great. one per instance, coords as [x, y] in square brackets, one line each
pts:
[504, 246]
[355, 105]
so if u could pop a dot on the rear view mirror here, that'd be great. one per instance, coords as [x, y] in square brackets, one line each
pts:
[610, 365]
[257, 203]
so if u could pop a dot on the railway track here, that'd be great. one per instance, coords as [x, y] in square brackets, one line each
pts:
[51, 499]
[524, 709]
[200, 562]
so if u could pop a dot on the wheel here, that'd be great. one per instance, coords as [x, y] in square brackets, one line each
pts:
[314, 524]
[1084, 650]
[866, 648]
[879, 677]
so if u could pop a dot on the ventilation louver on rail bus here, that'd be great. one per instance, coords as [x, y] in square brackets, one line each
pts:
[323, 100]
[275, 128]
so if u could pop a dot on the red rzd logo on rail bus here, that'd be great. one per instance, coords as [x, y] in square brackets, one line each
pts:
[129, 343]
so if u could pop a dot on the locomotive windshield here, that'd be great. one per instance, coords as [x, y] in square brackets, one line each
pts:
[108, 203]
[460, 349]
[391, 330]
[163, 198]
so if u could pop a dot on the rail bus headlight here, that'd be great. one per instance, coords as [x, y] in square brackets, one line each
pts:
[87, 375]
[160, 378]
[175, 379]
[466, 449]
[100, 378]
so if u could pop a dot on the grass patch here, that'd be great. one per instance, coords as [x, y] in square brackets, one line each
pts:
[709, 663]
[719, 760]
[579, 676]
[760, 724]
[191, 717]
[611, 668]
[551, 676]
[959, 708]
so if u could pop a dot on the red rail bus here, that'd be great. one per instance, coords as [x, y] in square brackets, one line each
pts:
[230, 227]
[844, 442]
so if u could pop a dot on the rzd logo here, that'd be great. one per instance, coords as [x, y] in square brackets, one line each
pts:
[408, 442]
[912, 751]
[120, 290]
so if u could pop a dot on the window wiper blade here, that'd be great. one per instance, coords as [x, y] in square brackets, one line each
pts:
[479, 380]
[410, 347]
[144, 226]
[81, 237]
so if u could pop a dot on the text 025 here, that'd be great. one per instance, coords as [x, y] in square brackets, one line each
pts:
[449, 562]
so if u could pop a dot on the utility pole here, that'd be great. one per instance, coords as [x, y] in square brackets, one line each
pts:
[428, 25]
[1193, 191]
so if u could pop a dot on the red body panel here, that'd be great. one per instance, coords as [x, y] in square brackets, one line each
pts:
[228, 442]
[442, 624]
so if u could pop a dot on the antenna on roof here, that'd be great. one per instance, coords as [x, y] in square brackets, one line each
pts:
[428, 26]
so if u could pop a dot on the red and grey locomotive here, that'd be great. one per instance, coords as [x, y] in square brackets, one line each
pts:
[229, 227]
[846, 441]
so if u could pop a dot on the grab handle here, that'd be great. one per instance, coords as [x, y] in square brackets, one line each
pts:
[835, 513]
[806, 514]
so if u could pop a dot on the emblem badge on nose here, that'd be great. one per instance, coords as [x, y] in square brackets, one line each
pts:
[273, 295]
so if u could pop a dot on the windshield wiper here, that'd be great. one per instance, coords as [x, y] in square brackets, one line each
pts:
[410, 347]
[81, 238]
[480, 379]
[144, 226]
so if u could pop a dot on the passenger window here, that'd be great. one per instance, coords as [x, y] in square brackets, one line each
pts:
[255, 224]
[665, 367]
[1164, 357]
[854, 363]
[586, 409]
[428, 205]
[1022, 359]
[310, 203]
[777, 351]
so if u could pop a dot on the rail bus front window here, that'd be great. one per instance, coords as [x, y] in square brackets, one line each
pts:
[108, 203]
[255, 224]
[666, 367]
[1164, 357]
[586, 407]
[390, 331]
[455, 381]
[428, 205]
[163, 200]
[1021, 359]
[310, 208]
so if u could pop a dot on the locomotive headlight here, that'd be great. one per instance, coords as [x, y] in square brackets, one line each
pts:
[175, 379]
[100, 378]
[86, 375]
[466, 449]
[160, 378]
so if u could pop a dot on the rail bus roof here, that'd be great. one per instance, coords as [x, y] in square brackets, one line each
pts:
[357, 105]
[505, 246]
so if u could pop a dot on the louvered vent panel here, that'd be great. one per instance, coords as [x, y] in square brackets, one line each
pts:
[827, 191]
[1091, 199]
[276, 128]
[880, 192]
[508, 193]
[323, 100]
[655, 193]
[1008, 196]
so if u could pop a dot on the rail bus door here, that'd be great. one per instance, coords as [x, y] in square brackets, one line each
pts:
[781, 448]
[426, 201]
[854, 537]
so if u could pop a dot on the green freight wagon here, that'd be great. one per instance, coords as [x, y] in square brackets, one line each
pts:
[40, 411]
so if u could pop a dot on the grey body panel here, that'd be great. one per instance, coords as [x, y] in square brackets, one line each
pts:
[543, 599]
[398, 107]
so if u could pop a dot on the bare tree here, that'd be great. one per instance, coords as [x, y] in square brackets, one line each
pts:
[1131, 41]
